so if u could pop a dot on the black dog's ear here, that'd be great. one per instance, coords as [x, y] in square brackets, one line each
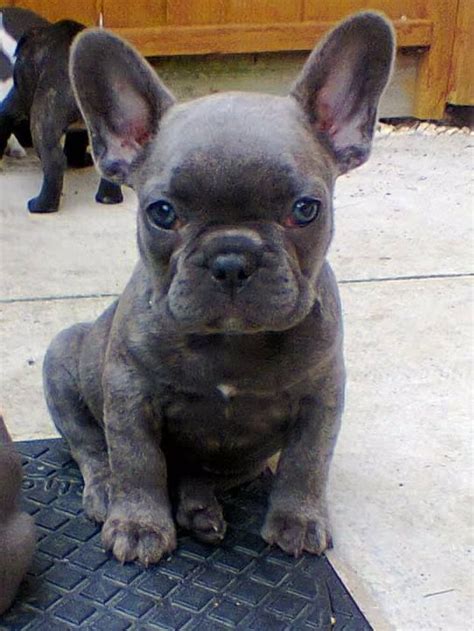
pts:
[120, 97]
[341, 84]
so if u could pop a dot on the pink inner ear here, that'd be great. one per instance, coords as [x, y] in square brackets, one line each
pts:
[325, 114]
[333, 101]
[334, 105]
[134, 135]
[134, 125]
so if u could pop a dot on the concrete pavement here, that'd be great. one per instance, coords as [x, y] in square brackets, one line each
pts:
[402, 478]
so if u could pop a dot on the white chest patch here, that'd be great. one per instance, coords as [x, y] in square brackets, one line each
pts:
[227, 390]
[7, 43]
[5, 87]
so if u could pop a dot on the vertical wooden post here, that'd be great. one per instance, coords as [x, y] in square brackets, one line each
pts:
[461, 74]
[432, 80]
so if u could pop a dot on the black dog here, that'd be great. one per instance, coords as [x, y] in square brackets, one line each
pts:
[43, 94]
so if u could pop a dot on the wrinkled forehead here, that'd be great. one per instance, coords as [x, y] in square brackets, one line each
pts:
[237, 143]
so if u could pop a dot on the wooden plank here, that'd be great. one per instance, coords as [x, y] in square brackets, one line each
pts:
[84, 11]
[194, 12]
[137, 14]
[200, 12]
[432, 83]
[242, 38]
[394, 9]
[263, 11]
[461, 76]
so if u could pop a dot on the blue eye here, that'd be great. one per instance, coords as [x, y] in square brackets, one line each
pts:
[305, 210]
[162, 214]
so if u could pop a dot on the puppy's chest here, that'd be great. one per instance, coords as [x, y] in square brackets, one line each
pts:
[225, 419]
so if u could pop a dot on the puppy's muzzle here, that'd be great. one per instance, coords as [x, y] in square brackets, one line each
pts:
[232, 259]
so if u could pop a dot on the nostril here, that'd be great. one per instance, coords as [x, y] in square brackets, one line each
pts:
[242, 274]
[219, 271]
[231, 269]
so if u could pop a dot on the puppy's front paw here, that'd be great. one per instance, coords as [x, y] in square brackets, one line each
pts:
[204, 519]
[135, 534]
[295, 532]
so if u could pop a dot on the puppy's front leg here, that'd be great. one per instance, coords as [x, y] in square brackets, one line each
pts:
[297, 517]
[139, 522]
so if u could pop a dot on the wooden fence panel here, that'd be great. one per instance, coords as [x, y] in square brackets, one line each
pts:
[183, 27]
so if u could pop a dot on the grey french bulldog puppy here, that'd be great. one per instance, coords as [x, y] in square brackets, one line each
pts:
[226, 344]
[17, 531]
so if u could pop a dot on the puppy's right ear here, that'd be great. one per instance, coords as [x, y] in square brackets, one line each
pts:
[120, 97]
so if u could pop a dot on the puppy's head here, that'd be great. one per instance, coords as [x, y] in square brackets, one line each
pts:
[235, 190]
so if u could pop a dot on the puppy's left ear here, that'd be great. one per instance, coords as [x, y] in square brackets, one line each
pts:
[341, 85]
[121, 98]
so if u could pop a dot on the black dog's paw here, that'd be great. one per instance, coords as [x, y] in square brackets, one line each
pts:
[109, 193]
[141, 535]
[95, 500]
[295, 533]
[204, 519]
[39, 205]
[80, 161]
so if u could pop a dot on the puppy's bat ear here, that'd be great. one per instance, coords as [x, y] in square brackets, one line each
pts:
[341, 84]
[120, 97]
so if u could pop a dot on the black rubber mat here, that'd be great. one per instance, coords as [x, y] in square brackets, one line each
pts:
[242, 584]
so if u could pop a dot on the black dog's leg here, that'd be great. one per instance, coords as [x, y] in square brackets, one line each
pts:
[10, 115]
[74, 420]
[49, 121]
[108, 193]
[75, 149]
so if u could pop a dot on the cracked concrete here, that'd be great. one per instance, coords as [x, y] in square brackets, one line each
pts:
[401, 485]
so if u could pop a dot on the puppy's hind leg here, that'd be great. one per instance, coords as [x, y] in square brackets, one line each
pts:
[74, 420]
[198, 509]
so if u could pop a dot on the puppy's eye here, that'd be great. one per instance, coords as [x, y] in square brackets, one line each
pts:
[162, 214]
[304, 211]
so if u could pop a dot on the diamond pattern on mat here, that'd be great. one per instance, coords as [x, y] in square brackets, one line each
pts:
[241, 584]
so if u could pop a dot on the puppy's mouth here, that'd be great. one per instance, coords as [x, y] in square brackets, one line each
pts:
[231, 325]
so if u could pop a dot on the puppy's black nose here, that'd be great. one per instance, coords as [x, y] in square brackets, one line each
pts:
[232, 270]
